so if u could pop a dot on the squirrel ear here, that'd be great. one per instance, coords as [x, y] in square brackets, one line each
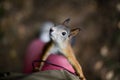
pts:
[74, 32]
[66, 22]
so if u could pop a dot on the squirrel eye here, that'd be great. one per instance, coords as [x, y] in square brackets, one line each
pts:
[63, 33]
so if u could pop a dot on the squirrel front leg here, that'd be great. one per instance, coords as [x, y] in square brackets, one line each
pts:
[76, 66]
[43, 58]
[45, 54]
[69, 54]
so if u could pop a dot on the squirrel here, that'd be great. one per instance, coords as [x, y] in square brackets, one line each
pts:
[60, 36]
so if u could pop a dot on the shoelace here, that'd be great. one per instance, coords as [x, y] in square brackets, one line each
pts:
[47, 62]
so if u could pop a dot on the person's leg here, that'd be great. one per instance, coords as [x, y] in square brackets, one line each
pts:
[32, 53]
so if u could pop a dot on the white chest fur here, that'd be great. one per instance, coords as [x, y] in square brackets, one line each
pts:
[55, 49]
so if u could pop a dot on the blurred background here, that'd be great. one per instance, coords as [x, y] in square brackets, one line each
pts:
[97, 47]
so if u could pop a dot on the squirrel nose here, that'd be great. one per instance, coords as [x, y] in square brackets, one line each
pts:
[51, 30]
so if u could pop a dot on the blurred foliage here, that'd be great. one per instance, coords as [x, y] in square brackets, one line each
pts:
[97, 46]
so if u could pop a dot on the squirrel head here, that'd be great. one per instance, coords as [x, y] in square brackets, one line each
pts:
[62, 33]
